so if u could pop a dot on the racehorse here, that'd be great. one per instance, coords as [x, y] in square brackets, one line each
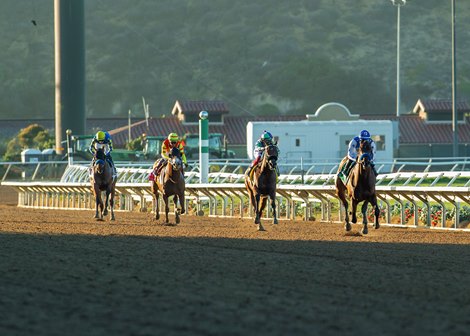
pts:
[170, 182]
[102, 180]
[360, 187]
[261, 184]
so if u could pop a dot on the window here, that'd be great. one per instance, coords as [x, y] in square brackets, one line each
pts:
[297, 142]
[379, 142]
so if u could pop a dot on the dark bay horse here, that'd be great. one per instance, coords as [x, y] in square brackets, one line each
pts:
[102, 180]
[170, 182]
[262, 184]
[360, 187]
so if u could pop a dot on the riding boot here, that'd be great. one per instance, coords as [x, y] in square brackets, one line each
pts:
[111, 162]
[250, 168]
[374, 170]
[344, 173]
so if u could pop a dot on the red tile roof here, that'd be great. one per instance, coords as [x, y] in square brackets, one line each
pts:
[441, 105]
[414, 130]
[196, 106]
[234, 127]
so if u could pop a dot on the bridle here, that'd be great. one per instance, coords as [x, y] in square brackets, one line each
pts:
[271, 153]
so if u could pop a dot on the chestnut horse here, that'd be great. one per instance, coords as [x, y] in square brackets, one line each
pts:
[170, 182]
[360, 187]
[102, 180]
[262, 184]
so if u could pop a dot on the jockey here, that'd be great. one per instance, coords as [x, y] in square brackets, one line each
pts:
[103, 140]
[171, 141]
[353, 149]
[264, 140]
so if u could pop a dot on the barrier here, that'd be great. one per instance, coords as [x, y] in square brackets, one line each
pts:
[225, 194]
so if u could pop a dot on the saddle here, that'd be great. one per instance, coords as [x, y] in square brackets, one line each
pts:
[157, 169]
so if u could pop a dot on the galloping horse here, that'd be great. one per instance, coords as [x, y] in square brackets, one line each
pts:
[102, 180]
[262, 184]
[170, 181]
[360, 187]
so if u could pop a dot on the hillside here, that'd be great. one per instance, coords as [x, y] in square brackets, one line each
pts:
[286, 57]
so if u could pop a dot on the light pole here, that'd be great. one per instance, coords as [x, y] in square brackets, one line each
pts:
[455, 145]
[398, 3]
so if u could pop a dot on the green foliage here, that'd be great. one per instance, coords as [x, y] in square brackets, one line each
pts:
[137, 144]
[267, 109]
[33, 136]
[302, 55]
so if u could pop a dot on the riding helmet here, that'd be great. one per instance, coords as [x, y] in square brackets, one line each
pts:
[266, 136]
[100, 136]
[364, 134]
[173, 137]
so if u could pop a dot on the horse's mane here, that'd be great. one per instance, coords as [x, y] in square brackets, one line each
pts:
[175, 152]
[270, 148]
[365, 146]
[99, 154]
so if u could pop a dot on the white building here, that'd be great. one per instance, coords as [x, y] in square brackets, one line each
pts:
[324, 136]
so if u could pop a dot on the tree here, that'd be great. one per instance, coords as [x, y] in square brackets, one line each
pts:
[33, 136]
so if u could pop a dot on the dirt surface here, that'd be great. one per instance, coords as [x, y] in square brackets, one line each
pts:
[63, 273]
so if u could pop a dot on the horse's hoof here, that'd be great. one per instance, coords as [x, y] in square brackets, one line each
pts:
[365, 230]
[182, 211]
[376, 226]
[113, 219]
[177, 220]
[261, 228]
[347, 226]
[275, 221]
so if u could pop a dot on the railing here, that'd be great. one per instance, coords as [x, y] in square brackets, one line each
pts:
[53, 170]
[305, 194]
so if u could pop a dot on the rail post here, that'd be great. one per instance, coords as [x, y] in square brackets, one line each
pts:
[203, 147]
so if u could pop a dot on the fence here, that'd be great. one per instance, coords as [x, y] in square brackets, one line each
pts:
[409, 198]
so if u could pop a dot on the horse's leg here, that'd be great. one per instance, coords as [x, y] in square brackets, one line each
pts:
[106, 201]
[262, 205]
[99, 205]
[376, 211]
[353, 211]
[272, 196]
[167, 207]
[177, 213]
[157, 208]
[256, 206]
[365, 230]
[182, 202]
[111, 203]
[342, 196]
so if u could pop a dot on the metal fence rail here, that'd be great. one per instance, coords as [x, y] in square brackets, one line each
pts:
[225, 195]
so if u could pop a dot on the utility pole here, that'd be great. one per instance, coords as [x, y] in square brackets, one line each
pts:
[455, 146]
[69, 42]
[398, 3]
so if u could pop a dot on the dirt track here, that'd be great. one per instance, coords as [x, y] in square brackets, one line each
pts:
[66, 274]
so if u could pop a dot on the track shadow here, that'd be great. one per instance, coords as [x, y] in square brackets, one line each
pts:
[152, 285]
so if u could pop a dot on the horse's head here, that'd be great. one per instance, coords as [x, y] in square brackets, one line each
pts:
[175, 159]
[100, 161]
[365, 153]
[271, 153]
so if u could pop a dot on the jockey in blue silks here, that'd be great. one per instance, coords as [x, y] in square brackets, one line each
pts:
[353, 149]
